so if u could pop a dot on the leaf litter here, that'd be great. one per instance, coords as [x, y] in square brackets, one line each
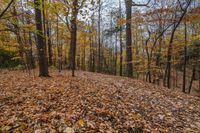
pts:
[92, 102]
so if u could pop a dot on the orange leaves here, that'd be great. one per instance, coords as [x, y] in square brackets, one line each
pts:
[92, 102]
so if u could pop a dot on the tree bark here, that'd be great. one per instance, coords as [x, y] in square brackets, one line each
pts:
[192, 78]
[129, 38]
[73, 33]
[43, 66]
[185, 60]
[49, 42]
[99, 38]
[120, 38]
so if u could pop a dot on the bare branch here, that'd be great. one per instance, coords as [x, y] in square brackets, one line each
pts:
[137, 4]
[63, 20]
[4, 11]
[180, 5]
[82, 4]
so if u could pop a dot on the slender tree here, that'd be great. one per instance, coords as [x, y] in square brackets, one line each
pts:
[120, 38]
[176, 25]
[185, 59]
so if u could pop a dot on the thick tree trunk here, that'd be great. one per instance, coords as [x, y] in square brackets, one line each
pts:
[129, 38]
[43, 65]
[73, 33]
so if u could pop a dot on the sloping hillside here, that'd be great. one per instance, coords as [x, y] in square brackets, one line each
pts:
[92, 102]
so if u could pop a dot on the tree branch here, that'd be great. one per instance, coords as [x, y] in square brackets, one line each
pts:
[82, 4]
[136, 4]
[180, 5]
[4, 11]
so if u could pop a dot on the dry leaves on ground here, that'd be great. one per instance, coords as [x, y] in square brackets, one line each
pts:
[93, 103]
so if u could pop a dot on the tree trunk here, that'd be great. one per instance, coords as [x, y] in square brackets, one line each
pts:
[99, 38]
[59, 48]
[73, 33]
[44, 27]
[31, 63]
[49, 43]
[199, 77]
[192, 78]
[43, 66]
[120, 37]
[185, 60]
[116, 54]
[129, 38]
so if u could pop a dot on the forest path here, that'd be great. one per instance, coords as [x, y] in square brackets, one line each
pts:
[92, 102]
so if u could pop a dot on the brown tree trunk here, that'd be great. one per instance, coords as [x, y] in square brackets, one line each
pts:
[59, 48]
[129, 38]
[43, 66]
[199, 77]
[49, 43]
[185, 60]
[31, 63]
[91, 54]
[120, 38]
[116, 54]
[73, 33]
[44, 27]
[192, 78]
[99, 38]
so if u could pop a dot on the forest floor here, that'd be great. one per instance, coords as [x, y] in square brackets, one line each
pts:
[92, 102]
